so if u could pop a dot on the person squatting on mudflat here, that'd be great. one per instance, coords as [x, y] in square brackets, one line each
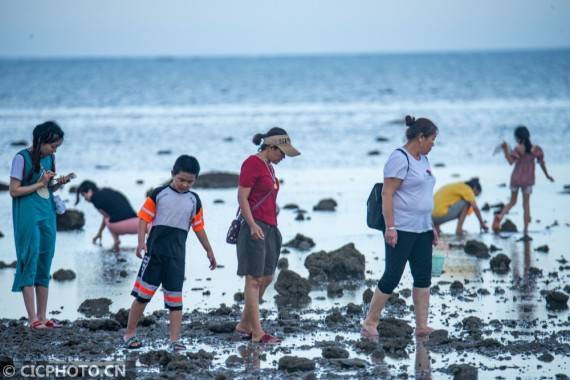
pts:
[172, 209]
[455, 201]
[118, 214]
[407, 203]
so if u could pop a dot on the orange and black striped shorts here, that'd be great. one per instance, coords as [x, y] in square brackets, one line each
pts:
[157, 270]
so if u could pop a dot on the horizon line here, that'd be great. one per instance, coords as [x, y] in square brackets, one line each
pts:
[278, 55]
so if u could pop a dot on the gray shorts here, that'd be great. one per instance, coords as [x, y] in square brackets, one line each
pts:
[258, 258]
[453, 212]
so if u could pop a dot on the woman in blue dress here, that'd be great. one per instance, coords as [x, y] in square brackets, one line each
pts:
[31, 187]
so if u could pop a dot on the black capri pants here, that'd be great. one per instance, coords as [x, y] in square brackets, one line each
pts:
[415, 248]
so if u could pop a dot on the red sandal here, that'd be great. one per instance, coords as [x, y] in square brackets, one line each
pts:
[268, 339]
[37, 325]
[51, 324]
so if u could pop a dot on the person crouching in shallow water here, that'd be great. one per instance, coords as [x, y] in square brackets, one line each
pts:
[455, 201]
[407, 203]
[35, 220]
[118, 214]
[259, 239]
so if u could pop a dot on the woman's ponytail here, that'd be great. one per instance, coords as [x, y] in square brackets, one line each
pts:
[257, 138]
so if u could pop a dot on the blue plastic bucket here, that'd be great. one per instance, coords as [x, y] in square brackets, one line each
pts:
[437, 262]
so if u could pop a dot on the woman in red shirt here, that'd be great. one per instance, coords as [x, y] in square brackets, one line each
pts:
[259, 239]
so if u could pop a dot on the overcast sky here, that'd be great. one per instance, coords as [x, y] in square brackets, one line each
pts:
[43, 28]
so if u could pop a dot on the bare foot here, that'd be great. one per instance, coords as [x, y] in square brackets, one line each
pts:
[242, 330]
[423, 331]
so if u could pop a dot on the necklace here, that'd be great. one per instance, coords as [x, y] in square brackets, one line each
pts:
[271, 173]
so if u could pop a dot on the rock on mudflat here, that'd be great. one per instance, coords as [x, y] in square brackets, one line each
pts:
[334, 290]
[334, 318]
[104, 324]
[283, 263]
[353, 309]
[217, 180]
[508, 226]
[500, 263]
[19, 143]
[345, 263]
[367, 296]
[327, 204]
[335, 353]
[295, 363]
[4, 265]
[64, 275]
[463, 372]
[72, 220]
[346, 363]
[5, 361]
[477, 249]
[292, 289]
[95, 307]
[222, 327]
[456, 287]
[556, 300]
[395, 335]
[159, 357]
[546, 357]
[472, 324]
[300, 242]
[543, 248]
[239, 297]
[394, 328]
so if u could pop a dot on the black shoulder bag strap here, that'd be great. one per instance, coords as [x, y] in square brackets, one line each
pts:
[407, 159]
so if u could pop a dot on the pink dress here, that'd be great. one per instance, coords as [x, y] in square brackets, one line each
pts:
[523, 172]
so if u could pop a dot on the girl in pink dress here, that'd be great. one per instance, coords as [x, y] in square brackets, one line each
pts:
[523, 156]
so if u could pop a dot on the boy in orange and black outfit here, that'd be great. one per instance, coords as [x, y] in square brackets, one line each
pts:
[172, 209]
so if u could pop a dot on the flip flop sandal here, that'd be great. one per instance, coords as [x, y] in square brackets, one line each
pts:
[37, 325]
[177, 346]
[51, 324]
[133, 343]
[268, 339]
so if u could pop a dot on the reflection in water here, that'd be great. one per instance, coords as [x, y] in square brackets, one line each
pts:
[252, 354]
[423, 364]
[523, 282]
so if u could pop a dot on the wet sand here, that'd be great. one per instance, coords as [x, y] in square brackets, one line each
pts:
[499, 324]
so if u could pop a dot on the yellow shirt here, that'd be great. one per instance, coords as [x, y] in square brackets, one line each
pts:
[450, 194]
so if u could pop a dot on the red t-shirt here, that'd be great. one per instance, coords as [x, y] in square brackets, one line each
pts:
[260, 178]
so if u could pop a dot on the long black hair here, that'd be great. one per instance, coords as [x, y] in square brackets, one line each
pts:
[45, 133]
[523, 136]
[275, 131]
[84, 187]
[419, 127]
